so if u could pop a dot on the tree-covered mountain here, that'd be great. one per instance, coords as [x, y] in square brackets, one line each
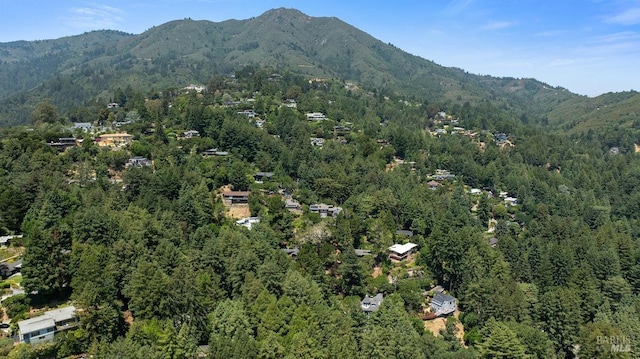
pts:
[73, 71]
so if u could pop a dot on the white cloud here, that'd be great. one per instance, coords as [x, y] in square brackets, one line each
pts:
[497, 25]
[94, 17]
[627, 17]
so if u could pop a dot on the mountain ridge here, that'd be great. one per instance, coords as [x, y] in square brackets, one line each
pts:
[184, 51]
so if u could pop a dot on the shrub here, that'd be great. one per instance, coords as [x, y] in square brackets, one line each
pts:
[16, 305]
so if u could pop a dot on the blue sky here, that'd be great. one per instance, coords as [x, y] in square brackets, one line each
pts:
[588, 46]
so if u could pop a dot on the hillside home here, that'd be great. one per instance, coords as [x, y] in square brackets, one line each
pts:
[5, 241]
[371, 304]
[292, 205]
[42, 328]
[190, 134]
[433, 185]
[404, 232]
[511, 201]
[260, 177]
[247, 113]
[443, 175]
[84, 126]
[63, 143]
[113, 105]
[248, 222]
[362, 252]
[236, 197]
[7, 269]
[325, 210]
[114, 140]
[401, 252]
[138, 161]
[291, 252]
[317, 141]
[214, 152]
[315, 116]
[443, 304]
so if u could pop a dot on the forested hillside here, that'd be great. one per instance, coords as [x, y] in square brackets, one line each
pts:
[74, 72]
[535, 235]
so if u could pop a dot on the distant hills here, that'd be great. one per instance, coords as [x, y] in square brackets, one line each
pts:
[77, 70]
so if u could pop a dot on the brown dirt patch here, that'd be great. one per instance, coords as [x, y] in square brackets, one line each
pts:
[377, 271]
[128, 317]
[438, 324]
[637, 148]
[238, 211]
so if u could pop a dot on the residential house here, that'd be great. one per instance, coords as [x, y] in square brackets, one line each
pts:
[317, 141]
[500, 137]
[214, 152]
[404, 232]
[289, 103]
[315, 116]
[371, 304]
[7, 269]
[113, 105]
[63, 143]
[236, 197]
[260, 177]
[291, 252]
[114, 139]
[196, 88]
[362, 252]
[42, 328]
[248, 222]
[325, 210]
[292, 205]
[443, 304]
[511, 201]
[401, 252]
[247, 113]
[433, 185]
[475, 191]
[84, 126]
[493, 242]
[6, 240]
[190, 134]
[138, 161]
[443, 175]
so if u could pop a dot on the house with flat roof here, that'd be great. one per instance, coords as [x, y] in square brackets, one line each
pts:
[236, 197]
[43, 328]
[214, 152]
[325, 210]
[401, 252]
[114, 139]
[248, 222]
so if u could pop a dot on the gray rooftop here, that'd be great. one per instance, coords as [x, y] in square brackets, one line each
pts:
[440, 298]
[61, 314]
[36, 324]
[371, 304]
[47, 319]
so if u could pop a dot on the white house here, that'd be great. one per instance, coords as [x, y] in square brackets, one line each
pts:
[401, 252]
[443, 304]
[248, 222]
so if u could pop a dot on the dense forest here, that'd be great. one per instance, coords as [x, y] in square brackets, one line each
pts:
[157, 266]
